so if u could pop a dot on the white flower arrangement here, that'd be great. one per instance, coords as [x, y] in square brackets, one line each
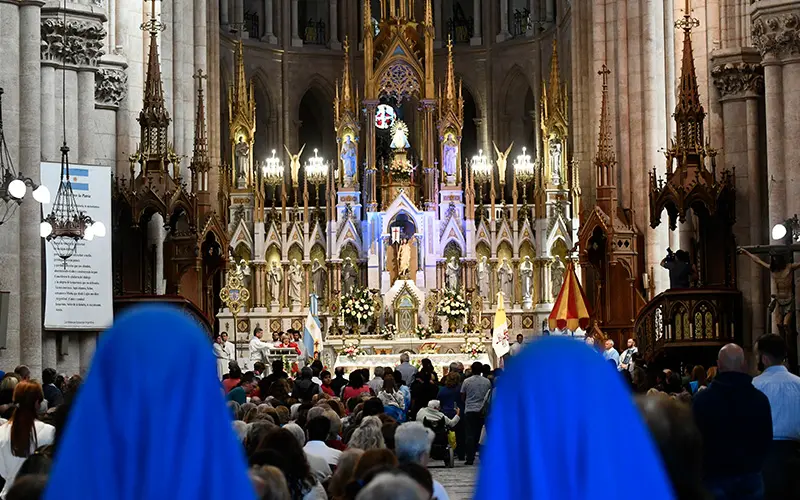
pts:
[473, 349]
[389, 331]
[423, 332]
[358, 306]
[401, 167]
[452, 305]
[352, 351]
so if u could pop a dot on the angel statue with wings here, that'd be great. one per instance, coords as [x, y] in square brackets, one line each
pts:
[294, 164]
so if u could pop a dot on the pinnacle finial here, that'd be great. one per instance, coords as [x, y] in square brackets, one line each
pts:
[688, 22]
[153, 25]
[605, 158]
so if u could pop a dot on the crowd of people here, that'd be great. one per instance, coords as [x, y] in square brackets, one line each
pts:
[157, 423]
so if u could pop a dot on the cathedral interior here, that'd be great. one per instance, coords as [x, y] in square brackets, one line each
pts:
[271, 157]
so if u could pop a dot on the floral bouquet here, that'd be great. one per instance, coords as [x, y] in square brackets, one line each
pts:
[473, 349]
[452, 305]
[401, 167]
[352, 351]
[389, 331]
[423, 332]
[358, 306]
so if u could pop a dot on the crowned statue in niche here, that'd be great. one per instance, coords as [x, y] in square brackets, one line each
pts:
[484, 275]
[275, 279]
[349, 160]
[526, 272]
[400, 135]
[556, 159]
[242, 152]
[295, 284]
[453, 272]
[449, 159]
[320, 278]
[349, 276]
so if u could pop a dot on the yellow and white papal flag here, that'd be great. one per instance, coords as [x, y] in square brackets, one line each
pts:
[500, 331]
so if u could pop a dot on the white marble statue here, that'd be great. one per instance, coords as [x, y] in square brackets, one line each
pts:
[505, 277]
[295, 283]
[556, 160]
[320, 277]
[557, 275]
[275, 279]
[484, 277]
[242, 152]
[449, 161]
[349, 276]
[294, 164]
[453, 272]
[526, 273]
[502, 161]
[400, 135]
[349, 160]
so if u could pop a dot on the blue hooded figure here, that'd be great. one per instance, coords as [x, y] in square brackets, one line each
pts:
[150, 422]
[550, 432]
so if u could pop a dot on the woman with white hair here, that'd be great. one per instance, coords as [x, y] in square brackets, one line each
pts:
[433, 414]
[368, 436]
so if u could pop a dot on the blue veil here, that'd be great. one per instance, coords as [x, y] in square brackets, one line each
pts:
[150, 422]
[554, 432]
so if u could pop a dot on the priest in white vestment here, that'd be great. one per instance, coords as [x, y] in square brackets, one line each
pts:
[258, 348]
[222, 357]
[228, 346]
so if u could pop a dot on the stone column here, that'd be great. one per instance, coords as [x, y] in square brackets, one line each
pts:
[505, 32]
[223, 13]
[269, 36]
[30, 243]
[334, 42]
[550, 12]
[438, 40]
[296, 41]
[476, 33]
[739, 79]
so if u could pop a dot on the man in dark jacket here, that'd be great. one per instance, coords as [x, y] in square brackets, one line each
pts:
[735, 421]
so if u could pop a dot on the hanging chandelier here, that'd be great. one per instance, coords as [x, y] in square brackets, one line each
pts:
[66, 224]
[13, 185]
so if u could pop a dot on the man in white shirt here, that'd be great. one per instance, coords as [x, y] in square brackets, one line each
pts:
[626, 360]
[258, 347]
[318, 429]
[228, 346]
[782, 388]
[412, 444]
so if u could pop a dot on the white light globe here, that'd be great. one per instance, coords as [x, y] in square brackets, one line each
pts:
[45, 229]
[778, 232]
[42, 195]
[88, 233]
[99, 229]
[17, 189]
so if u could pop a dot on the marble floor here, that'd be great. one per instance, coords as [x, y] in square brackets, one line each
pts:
[458, 481]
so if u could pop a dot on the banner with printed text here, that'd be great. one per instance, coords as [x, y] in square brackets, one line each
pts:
[79, 293]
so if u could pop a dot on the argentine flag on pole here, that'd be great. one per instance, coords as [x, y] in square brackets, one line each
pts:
[312, 336]
[500, 331]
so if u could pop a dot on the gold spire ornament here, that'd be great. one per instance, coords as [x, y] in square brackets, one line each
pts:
[234, 294]
[242, 113]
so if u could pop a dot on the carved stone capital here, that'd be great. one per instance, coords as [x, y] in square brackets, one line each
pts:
[777, 35]
[737, 79]
[80, 44]
[110, 87]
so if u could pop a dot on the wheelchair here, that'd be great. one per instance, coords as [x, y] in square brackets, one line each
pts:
[441, 449]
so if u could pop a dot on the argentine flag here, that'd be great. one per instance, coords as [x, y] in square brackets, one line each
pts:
[79, 178]
[312, 336]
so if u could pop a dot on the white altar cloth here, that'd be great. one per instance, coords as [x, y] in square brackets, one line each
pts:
[439, 361]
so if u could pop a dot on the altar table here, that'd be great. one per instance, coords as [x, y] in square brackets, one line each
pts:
[440, 361]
